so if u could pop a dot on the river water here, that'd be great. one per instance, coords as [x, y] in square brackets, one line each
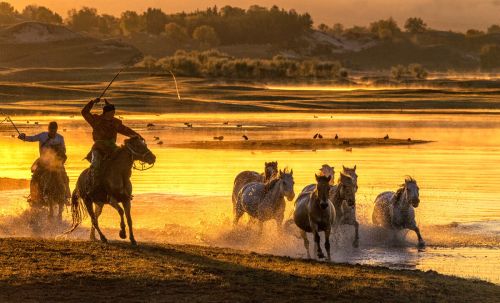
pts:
[185, 198]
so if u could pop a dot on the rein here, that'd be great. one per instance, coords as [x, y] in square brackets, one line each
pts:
[143, 165]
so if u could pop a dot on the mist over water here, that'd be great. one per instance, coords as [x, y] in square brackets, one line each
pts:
[185, 198]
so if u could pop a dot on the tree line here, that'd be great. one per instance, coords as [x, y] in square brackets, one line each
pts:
[385, 29]
[227, 25]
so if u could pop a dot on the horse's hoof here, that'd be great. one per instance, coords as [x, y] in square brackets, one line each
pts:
[321, 256]
[355, 244]
[133, 243]
[421, 244]
[104, 240]
[123, 234]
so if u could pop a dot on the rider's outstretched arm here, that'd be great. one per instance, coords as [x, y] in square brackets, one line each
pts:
[127, 131]
[87, 115]
[35, 138]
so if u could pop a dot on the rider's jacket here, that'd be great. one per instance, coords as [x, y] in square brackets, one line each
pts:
[104, 131]
[45, 142]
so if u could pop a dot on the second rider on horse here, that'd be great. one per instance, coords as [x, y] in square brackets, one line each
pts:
[105, 128]
[52, 156]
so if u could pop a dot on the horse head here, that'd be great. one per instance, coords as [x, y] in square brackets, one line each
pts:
[287, 183]
[139, 150]
[351, 172]
[327, 171]
[322, 191]
[411, 192]
[347, 189]
[270, 170]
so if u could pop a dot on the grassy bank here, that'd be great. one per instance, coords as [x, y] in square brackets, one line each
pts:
[47, 270]
[12, 184]
[298, 144]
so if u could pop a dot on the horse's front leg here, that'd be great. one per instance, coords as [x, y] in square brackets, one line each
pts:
[60, 212]
[279, 224]
[355, 243]
[327, 243]
[317, 246]
[51, 211]
[126, 207]
[93, 217]
[306, 242]
[97, 212]
[115, 205]
[421, 242]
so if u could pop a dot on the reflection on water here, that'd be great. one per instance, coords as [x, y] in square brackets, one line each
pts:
[458, 175]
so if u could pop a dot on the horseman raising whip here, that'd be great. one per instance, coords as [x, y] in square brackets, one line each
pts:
[105, 128]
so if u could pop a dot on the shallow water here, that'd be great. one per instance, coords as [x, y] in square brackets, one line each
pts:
[185, 198]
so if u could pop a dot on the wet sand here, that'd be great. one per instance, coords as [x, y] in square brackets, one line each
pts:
[47, 270]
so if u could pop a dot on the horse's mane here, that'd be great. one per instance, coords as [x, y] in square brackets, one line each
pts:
[410, 179]
[270, 184]
[336, 197]
[398, 194]
[401, 189]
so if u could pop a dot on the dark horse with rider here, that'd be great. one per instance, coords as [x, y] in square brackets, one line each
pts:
[107, 181]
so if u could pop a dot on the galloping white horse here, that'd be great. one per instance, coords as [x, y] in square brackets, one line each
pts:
[396, 210]
[265, 201]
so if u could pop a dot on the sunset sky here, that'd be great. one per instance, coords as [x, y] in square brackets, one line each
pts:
[439, 14]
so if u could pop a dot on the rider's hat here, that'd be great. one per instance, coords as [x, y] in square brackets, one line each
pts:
[107, 107]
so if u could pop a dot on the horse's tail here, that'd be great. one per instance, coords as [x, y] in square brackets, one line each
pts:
[78, 211]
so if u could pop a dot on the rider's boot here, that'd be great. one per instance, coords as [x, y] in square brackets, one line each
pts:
[95, 172]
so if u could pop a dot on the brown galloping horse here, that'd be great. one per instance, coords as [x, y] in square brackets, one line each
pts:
[115, 188]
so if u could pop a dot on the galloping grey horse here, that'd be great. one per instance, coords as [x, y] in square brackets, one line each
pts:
[343, 197]
[345, 209]
[314, 212]
[396, 209]
[245, 177]
[265, 201]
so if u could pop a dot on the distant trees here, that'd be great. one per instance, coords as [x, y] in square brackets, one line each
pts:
[338, 29]
[175, 32]
[490, 56]
[130, 22]
[41, 14]
[206, 36]
[474, 33]
[494, 29]
[108, 24]
[385, 29]
[415, 25]
[155, 20]
[85, 19]
[8, 14]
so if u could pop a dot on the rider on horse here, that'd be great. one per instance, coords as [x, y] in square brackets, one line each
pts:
[105, 128]
[51, 147]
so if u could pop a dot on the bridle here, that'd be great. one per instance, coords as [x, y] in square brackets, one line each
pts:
[143, 165]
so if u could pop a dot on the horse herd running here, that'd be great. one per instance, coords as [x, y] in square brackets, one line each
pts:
[320, 207]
